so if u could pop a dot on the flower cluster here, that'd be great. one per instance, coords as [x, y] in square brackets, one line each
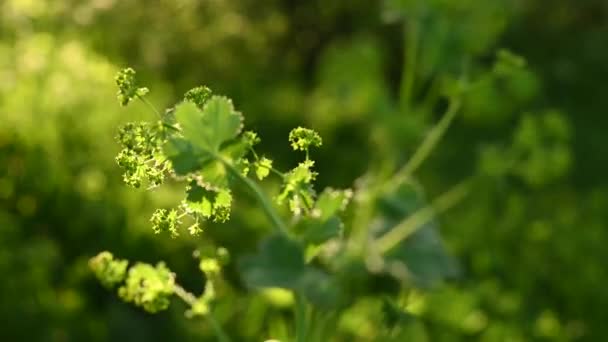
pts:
[199, 96]
[297, 188]
[251, 138]
[148, 287]
[141, 157]
[127, 87]
[302, 138]
[108, 270]
[164, 220]
[201, 141]
[211, 266]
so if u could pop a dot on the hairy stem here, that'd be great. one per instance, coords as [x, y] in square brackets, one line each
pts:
[412, 223]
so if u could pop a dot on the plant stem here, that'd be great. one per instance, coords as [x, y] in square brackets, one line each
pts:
[429, 143]
[150, 105]
[301, 320]
[184, 295]
[190, 299]
[217, 328]
[260, 196]
[277, 172]
[319, 322]
[412, 223]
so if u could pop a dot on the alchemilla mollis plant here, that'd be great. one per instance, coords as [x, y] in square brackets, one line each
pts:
[331, 249]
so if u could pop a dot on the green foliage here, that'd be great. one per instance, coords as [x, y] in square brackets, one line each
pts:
[372, 79]
[311, 256]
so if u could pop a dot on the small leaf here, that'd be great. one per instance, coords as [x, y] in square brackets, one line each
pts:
[184, 157]
[211, 127]
[262, 169]
[199, 200]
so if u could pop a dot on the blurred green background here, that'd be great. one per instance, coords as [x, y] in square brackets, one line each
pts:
[531, 241]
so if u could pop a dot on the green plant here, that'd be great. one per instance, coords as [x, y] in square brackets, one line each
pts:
[326, 264]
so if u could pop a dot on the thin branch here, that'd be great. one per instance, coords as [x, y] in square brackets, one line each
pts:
[184, 295]
[261, 197]
[429, 143]
[412, 223]
[150, 105]
[190, 299]
[160, 116]
[277, 172]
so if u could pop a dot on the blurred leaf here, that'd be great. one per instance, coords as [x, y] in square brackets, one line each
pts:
[421, 257]
[313, 231]
[323, 224]
[280, 263]
[393, 314]
[331, 202]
